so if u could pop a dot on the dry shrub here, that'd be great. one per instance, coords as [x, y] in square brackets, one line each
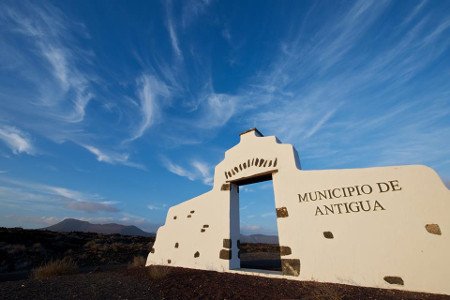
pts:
[93, 246]
[16, 248]
[138, 261]
[118, 247]
[55, 268]
[158, 272]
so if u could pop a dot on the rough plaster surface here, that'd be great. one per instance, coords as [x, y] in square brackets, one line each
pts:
[396, 236]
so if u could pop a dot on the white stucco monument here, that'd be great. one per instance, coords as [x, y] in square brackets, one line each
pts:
[385, 227]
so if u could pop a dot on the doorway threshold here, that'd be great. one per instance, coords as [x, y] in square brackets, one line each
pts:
[257, 272]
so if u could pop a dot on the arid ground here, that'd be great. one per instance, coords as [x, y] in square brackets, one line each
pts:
[179, 283]
[110, 267]
[22, 250]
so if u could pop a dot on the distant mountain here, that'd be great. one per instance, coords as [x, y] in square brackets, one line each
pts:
[259, 238]
[68, 225]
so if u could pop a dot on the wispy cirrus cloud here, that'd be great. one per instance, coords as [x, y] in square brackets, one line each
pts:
[198, 170]
[156, 206]
[321, 122]
[51, 38]
[177, 169]
[332, 100]
[172, 31]
[17, 140]
[48, 54]
[80, 201]
[112, 157]
[36, 196]
[216, 110]
[151, 93]
[204, 170]
[192, 9]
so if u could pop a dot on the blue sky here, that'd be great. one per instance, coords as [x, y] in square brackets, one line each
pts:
[113, 111]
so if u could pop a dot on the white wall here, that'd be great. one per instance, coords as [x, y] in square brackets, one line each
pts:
[389, 240]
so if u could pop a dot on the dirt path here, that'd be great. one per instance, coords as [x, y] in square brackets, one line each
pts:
[179, 283]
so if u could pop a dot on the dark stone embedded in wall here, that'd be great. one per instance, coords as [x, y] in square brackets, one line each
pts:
[290, 267]
[285, 250]
[189, 216]
[176, 245]
[227, 243]
[197, 254]
[394, 280]
[174, 217]
[257, 162]
[206, 226]
[225, 254]
[282, 212]
[192, 211]
[261, 161]
[202, 230]
[225, 187]
[152, 250]
[169, 261]
[328, 234]
[433, 229]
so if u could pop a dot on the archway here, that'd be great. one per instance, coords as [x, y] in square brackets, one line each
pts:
[259, 243]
